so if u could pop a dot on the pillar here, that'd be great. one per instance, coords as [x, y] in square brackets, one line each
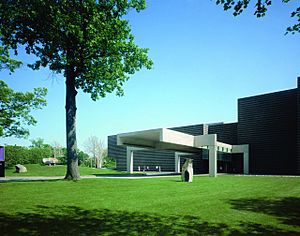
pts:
[246, 159]
[177, 162]
[129, 160]
[212, 161]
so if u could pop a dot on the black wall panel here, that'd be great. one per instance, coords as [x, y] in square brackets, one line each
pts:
[298, 129]
[226, 133]
[117, 152]
[141, 158]
[268, 124]
[190, 129]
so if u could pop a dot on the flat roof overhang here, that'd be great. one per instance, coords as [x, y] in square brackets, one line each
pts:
[166, 139]
[161, 139]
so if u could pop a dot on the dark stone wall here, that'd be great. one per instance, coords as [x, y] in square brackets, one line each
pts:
[226, 133]
[200, 165]
[268, 123]
[142, 158]
[153, 158]
[116, 152]
[191, 129]
[298, 129]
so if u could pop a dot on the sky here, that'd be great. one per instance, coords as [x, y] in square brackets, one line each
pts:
[204, 60]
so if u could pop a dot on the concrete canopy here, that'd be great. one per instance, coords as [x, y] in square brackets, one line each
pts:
[166, 139]
[162, 139]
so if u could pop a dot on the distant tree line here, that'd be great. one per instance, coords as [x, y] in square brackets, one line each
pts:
[38, 150]
[23, 155]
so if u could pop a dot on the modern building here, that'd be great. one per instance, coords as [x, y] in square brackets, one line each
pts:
[264, 140]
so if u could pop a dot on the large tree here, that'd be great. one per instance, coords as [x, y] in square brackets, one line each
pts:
[261, 7]
[89, 41]
[16, 107]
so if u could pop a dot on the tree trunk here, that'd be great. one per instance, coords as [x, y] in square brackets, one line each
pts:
[100, 162]
[99, 165]
[72, 160]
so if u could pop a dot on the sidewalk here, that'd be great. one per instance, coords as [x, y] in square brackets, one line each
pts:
[45, 178]
[133, 176]
[29, 178]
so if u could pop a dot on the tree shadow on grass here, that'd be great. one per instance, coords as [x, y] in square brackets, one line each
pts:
[286, 210]
[71, 220]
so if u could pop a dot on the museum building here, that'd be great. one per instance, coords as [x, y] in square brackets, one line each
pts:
[264, 140]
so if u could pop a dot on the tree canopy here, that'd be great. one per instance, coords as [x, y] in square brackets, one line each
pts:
[15, 107]
[6, 63]
[39, 143]
[89, 38]
[89, 41]
[261, 7]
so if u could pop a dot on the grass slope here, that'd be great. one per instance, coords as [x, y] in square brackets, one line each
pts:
[57, 170]
[227, 205]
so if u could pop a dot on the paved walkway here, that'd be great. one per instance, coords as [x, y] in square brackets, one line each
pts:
[44, 178]
[29, 178]
[121, 176]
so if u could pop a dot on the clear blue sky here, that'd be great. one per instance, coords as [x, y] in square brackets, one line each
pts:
[204, 60]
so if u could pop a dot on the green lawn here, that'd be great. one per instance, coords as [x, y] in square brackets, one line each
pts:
[226, 205]
[57, 170]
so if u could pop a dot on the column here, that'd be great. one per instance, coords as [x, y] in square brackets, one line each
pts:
[177, 162]
[246, 159]
[129, 160]
[212, 161]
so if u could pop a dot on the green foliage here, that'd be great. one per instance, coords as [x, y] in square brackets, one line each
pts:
[6, 62]
[82, 158]
[63, 157]
[39, 143]
[90, 38]
[109, 163]
[23, 155]
[261, 8]
[296, 27]
[38, 153]
[16, 155]
[15, 108]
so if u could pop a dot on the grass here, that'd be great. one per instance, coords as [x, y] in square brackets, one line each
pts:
[226, 205]
[57, 170]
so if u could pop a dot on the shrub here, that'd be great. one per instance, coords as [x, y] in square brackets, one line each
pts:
[34, 155]
[16, 155]
[23, 155]
[82, 158]
[109, 163]
[37, 154]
